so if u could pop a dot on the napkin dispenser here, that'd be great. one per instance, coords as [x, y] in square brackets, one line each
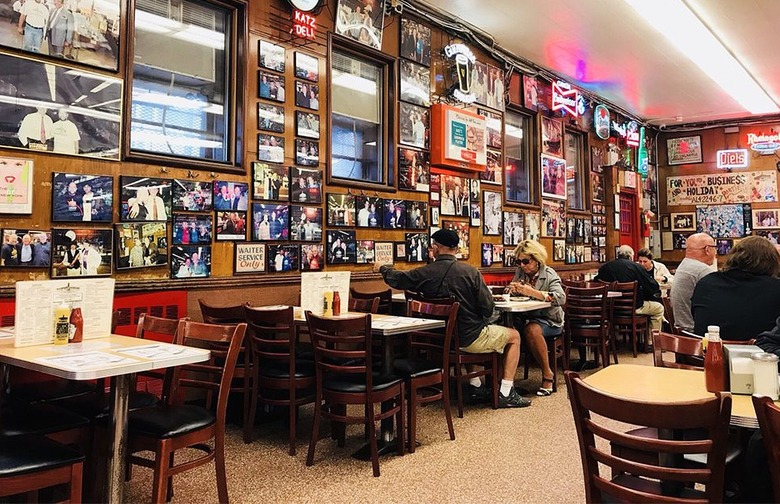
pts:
[740, 367]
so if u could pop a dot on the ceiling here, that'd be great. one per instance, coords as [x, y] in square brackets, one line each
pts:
[606, 48]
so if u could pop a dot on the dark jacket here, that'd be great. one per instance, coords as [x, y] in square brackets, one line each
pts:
[769, 341]
[623, 270]
[444, 277]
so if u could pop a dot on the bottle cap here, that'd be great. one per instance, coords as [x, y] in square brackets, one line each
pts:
[764, 357]
[713, 329]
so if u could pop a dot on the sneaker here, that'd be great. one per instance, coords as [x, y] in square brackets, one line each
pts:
[476, 395]
[514, 400]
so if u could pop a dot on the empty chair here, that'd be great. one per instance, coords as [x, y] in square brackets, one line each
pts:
[364, 305]
[687, 351]
[663, 480]
[768, 415]
[623, 316]
[385, 298]
[586, 323]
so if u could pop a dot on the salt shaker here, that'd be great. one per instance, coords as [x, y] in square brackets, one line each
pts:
[765, 375]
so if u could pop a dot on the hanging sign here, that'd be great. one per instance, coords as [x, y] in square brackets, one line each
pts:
[732, 158]
[463, 61]
[722, 188]
[304, 25]
[632, 134]
[458, 138]
[564, 97]
[764, 143]
[601, 121]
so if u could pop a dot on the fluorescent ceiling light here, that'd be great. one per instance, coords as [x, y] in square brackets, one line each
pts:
[513, 131]
[189, 33]
[353, 82]
[675, 20]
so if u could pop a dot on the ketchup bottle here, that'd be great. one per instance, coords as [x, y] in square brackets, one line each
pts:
[714, 364]
[336, 304]
[76, 326]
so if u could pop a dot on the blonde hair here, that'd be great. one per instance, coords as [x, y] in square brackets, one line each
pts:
[533, 249]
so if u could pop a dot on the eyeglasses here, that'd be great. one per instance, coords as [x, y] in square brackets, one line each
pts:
[523, 261]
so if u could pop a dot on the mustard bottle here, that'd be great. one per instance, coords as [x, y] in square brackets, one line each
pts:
[327, 304]
[61, 324]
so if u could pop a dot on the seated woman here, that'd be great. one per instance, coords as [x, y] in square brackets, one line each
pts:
[538, 281]
[744, 298]
[657, 270]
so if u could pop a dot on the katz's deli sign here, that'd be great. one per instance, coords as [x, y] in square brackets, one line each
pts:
[716, 189]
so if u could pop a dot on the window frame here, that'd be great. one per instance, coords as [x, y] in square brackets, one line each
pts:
[235, 79]
[389, 103]
[533, 161]
[584, 171]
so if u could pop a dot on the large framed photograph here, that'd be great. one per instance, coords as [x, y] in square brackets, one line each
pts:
[513, 228]
[231, 226]
[145, 199]
[191, 261]
[249, 258]
[341, 247]
[726, 221]
[462, 228]
[415, 83]
[270, 148]
[271, 56]
[307, 125]
[270, 182]
[766, 218]
[394, 214]
[369, 211]
[307, 67]
[417, 247]
[307, 152]
[283, 258]
[415, 41]
[16, 185]
[270, 117]
[553, 177]
[141, 245]
[552, 137]
[685, 221]
[553, 219]
[26, 248]
[361, 20]
[494, 168]
[491, 214]
[306, 185]
[81, 252]
[684, 150]
[415, 125]
[270, 86]
[82, 198]
[417, 215]
[488, 85]
[597, 186]
[307, 95]
[270, 222]
[189, 229]
[365, 251]
[454, 195]
[341, 210]
[305, 223]
[414, 170]
[229, 195]
[53, 108]
[191, 196]
[312, 257]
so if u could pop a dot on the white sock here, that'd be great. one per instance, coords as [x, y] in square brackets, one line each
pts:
[476, 382]
[506, 387]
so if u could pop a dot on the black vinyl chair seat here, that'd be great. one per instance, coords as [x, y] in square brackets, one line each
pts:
[303, 368]
[414, 368]
[26, 454]
[39, 419]
[169, 421]
[357, 383]
[51, 390]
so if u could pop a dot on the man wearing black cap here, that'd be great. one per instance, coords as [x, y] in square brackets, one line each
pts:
[448, 277]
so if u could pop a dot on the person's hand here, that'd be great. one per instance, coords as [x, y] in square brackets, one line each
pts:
[376, 267]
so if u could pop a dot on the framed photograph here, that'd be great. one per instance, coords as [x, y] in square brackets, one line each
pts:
[272, 56]
[474, 193]
[494, 172]
[414, 170]
[82, 198]
[306, 185]
[81, 252]
[270, 117]
[417, 215]
[307, 67]
[383, 252]
[249, 258]
[305, 223]
[509, 258]
[488, 85]
[270, 148]
[365, 251]
[231, 226]
[588, 228]
[679, 240]
[492, 214]
[145, 199]
[665, 222]
[270, 86]
[684, 150]
[312, 257]
[283, 258]
[462, 228]
[191, 261]
[26, 248]
[141, 245]
[434, 195]
[16, 186]
[513, 228]
[553, 177]
[81, 115]
[475, 214]
[400, 251]
[415, 125]
[394, 214]
[552, 137]
[307, 125]
[559, 250]
[570, 254]
[369, 211]
[727, 221]
[553, 219]
[307, 152]
[498, 253]
[270, 222]
[454, 195]
[571, 223]
[415, 41]
[532, 226]
[530, 92]
[597, 186]
[307, 95]
[341, 210]
[724, 246]
[417, 247]
[616, 221]
[361, 20]
[494, 128]
[189, 229]
[341, 247]
[772, 236]
[229, 195]
[487, 255]
[270, 182]
[765, 218]
[667, 241]
[415, 83]
[192, 196]
[434, 216]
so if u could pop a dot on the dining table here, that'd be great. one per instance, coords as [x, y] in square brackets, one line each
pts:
[113, 356]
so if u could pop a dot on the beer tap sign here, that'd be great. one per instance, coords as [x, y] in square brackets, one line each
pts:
[463, 61]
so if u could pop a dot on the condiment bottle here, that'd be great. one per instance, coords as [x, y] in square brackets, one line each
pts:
[711, 329]
[61, 324]
[336, 304]
[714, 364]
[765, 375]
[327, 304]
[76, 326]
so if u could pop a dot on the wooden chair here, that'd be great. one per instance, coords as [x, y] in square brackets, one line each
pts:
[157, 329]
[385, 299]
[342, 356]
[276, 366]
[426, 367]
[175, 425]
[364, 305]
[586, 322]
[669, 314]
[664, 480]
[623, 317]
[687, 351]
[769, 422]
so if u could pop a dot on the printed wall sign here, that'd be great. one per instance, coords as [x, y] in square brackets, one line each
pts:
[719, 188]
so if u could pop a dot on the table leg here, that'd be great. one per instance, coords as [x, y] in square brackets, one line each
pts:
[120, 394]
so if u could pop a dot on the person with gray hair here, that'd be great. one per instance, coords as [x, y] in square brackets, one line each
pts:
[624, 269]
[700, 260]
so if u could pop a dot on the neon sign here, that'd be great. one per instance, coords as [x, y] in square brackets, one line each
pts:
[565, 98]
[764, 144]
[601, 121]
[463, 61]
[632, 134]
[732, 158]
[304, 25]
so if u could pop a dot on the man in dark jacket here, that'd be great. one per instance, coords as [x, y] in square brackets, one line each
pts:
[769, 341]
[448, 277]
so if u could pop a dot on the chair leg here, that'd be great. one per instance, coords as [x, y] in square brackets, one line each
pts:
[315, 431]
[372, 439]
[76, 480]
[249, 418]
[400, 419]
[161, 464]
[496, 371]
[293, 421]
[169, 493]
[553, 358]
[445, 388]
[526, 360]
[219, 464]
[633, 338]
[412, 416]
[459, 389]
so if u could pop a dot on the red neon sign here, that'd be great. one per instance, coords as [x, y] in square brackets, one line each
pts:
[565, 98]
[733, 158]
[304, 25]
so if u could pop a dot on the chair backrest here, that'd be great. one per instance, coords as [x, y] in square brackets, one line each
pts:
[436, 341]
[711, 415]
[668, 311]
[385, 299]
[416, 296]
[769, 421]
[626, 303]
[364, 305]
[233, 314]
[156, 328]
[681, 346]
[272, 334]
[573, 283]
[586, 305]
[341, 345]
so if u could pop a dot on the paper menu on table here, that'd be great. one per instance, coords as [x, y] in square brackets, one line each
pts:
[160, 350]
[314, 285]
[86, 361]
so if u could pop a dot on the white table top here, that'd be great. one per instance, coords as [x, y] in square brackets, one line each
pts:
[113, 355]
[521, 306]
[386, 325]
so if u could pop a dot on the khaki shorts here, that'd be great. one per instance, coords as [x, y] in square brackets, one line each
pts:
[493, 338]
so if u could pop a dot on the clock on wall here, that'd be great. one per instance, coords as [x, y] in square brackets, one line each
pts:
[305, 5]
